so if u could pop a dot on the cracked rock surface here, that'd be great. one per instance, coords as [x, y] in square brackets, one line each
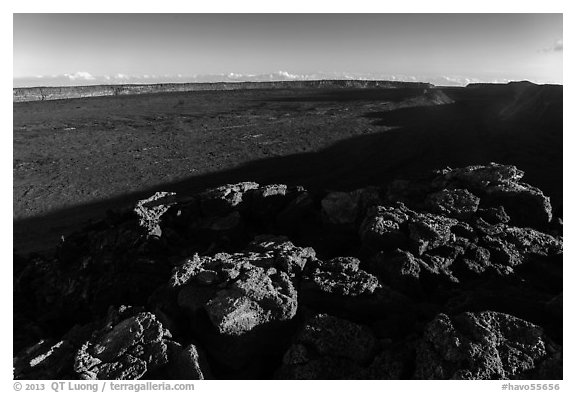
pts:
[457, 274]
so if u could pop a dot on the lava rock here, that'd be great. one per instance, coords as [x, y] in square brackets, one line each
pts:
[499, 185]
[456, 203]
[327, 348]
[287, 257]
[399, 269]
[150, 211]
[473, 263]
[340, 287]
[494, 215]
[484, 345]
[256, 298]
[238, 304]
[341, 276]
[127, 350]
[526, 205]
[221, 200]
[482, 176]
[188, 363]
[429, 231]
[384, 228]
[267, 201]
[51, 358]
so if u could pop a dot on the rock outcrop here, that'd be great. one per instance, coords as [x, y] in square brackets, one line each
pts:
[456, 274]
[486, 345]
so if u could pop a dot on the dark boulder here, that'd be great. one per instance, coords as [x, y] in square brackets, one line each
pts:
[328, 348]
[456, 203]
[221, 200]
[341, 276]
[237, 303]
[385, 228]
[484, 345]
[399, 269]
[493, 215]
[127, 350]
[429, 231]
[499, 185]
[340, 287]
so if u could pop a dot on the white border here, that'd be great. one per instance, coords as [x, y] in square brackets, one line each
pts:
[356, 6]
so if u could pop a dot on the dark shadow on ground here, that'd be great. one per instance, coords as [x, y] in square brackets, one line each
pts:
[478, 129]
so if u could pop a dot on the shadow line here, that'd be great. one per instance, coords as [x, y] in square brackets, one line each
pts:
[428, 137]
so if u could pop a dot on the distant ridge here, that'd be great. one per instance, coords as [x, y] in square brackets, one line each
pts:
[24, 94]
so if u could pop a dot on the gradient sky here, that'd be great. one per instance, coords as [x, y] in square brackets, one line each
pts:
[483, 47]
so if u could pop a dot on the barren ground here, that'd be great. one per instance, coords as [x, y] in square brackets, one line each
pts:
[74, 159]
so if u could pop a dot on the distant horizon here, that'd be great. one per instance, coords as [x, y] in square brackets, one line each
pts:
[446, 49]
[149, 82]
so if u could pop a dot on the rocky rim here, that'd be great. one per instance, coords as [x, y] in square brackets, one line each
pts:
[456, 275]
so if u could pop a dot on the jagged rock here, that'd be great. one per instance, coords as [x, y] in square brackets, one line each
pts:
[297, 213]
[429, 231]
[399, 269]
[345, 208]
[494, 215]
[267, 201]
[473, 263]
[482, 176]
[256, 298]
[327, 348]
[237, 303]
[471, 239]
[514, 298]
[269, 190]
[340, 287]
[221, 200]
[436, 271]
[51, 359]
[188, 363]
[150, 211]
[287, 257]
[383, 228]
[499, 185]
[455, 203]
[531, 242]
[550, 369]
[512, 246]
[526, 205]
[483, 345]
[341, 276]
[127, 350]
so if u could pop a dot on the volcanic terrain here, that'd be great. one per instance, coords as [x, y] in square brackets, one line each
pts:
[411, 232]
[76, 158]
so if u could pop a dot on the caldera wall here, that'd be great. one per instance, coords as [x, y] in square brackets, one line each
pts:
[25, 94]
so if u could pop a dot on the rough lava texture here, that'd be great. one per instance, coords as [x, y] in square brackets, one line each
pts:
[485, 345]
[327, 348]
[456, 274]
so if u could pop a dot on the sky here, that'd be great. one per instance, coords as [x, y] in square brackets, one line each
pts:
[81, 49]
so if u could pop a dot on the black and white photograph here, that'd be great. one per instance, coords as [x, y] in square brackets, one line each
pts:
[287, 196]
